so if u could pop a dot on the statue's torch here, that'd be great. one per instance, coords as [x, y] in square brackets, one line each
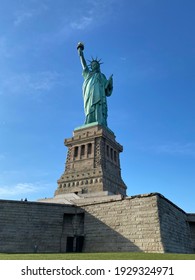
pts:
[80, 46]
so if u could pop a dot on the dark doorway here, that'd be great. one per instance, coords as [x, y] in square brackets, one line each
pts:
[70, 244]
[74, 244]
[79, 243]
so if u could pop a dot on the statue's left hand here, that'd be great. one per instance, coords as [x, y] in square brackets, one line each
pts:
[109, 86]
[111, 79]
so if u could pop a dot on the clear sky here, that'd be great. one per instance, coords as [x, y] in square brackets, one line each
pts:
[148, 46]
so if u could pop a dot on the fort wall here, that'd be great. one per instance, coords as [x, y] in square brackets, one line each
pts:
[148, 223]
[175, 229]
[36, 227]
[131, 224]
[142, 223]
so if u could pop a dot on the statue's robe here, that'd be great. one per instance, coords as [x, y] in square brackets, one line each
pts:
[95, 90]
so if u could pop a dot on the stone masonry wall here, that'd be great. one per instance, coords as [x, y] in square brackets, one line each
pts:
[148, 223]
[31, 226]
[131, 224]
[191, 220]
[192, 229]
[175, 230]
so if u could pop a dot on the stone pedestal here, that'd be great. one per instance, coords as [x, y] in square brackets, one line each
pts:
[92, 163]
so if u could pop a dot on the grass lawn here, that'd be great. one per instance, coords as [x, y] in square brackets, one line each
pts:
[98, 256]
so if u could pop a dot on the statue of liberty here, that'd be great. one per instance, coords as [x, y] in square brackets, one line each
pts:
[95, 90]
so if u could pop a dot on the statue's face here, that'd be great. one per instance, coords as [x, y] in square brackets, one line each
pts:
[95, 66]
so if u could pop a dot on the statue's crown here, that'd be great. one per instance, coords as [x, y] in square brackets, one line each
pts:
[95, 60]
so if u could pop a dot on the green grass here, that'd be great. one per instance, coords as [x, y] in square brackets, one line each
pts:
[98, 256]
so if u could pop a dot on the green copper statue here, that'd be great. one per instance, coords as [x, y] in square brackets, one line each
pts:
[95, 90]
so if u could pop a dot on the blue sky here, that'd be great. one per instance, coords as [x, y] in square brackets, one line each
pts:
[148, 46]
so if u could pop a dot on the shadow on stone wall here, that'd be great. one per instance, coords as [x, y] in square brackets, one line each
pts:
[99, 237]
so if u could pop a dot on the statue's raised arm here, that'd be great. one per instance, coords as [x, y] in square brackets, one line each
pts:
[80, 49]
[96, 89]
